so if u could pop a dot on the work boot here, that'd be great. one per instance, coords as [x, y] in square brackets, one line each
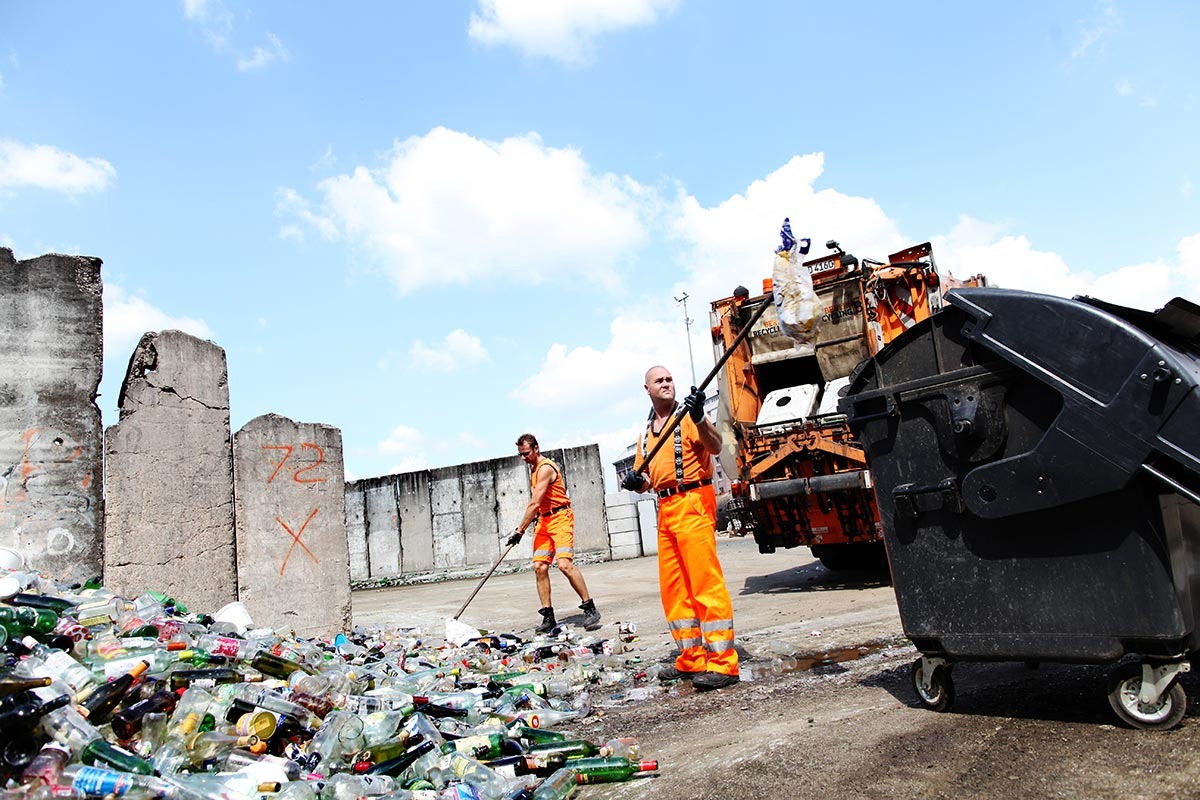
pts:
[548, 623]
[591, 617]
[673, 673]
[707, 681]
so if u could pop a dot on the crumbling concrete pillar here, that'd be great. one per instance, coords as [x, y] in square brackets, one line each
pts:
[584, 476]
[169, 474]
[293, 563]
[51, 506]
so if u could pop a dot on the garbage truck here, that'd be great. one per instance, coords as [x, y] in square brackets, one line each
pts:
[798, 476]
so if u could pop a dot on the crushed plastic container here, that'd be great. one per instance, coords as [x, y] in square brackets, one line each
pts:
[1036, 462]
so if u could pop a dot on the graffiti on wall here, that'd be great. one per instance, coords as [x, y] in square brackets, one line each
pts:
[301, 472]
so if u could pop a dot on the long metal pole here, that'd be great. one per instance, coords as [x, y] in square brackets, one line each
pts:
[734, 345]
[687, 326]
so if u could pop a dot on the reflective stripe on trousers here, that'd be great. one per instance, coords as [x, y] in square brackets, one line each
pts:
[694, 597]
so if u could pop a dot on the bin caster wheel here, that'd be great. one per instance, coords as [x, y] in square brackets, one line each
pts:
[933, 684]
[1125, 696]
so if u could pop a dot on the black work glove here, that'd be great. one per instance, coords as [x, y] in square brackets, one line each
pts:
[695, 404]
[516, 537]
[632, 481]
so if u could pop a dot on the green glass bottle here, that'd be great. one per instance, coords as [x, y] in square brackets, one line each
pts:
[183, 678]
[608, 770]
[275, 666]
[55, 604]
[567, 748]
[27, 619]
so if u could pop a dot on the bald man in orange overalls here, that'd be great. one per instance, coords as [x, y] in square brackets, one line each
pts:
[694, 596]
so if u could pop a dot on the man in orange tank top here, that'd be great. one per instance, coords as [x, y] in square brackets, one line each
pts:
[694, 596]
[554, 537]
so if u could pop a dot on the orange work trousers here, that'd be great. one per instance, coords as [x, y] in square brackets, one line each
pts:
[694, 596]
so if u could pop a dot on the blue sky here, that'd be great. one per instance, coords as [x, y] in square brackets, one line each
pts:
[438, 225]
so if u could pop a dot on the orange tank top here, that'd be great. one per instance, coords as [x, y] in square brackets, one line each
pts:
[556, 495]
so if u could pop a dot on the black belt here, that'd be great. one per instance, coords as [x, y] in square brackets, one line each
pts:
[687, 487]
[555, 510]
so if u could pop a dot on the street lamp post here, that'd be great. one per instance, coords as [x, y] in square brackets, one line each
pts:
[687, 324]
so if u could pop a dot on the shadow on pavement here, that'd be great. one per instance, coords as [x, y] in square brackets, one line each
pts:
[813, 578]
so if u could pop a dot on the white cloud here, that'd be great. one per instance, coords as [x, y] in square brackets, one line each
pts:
[457, 349]
[407, 443]
[1124, 87]
[263, 56]
[558, 30]
[585, 379]
[213, 18]
[1097, 29]
[448, 208]
[471, 440]
[1012, 262]
[47, 167]
[734, 242]
[127, 317]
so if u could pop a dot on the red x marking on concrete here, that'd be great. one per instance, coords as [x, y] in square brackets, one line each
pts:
[296, 540]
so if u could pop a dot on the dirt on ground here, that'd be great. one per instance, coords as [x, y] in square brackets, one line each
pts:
[851, 726]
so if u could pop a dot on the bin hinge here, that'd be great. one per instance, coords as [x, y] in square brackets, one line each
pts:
[905, 498]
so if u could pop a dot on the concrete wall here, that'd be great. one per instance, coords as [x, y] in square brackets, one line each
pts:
[632, 524]
[51, 506]
[293, 565]
[169, 475]
[454, 520]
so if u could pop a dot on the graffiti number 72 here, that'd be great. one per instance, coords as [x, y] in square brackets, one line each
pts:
[287, 452]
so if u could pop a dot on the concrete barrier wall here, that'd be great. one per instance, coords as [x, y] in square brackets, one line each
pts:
[293, 565]
[51, 506]
[169, 475]
[454, 520]
[632, 524]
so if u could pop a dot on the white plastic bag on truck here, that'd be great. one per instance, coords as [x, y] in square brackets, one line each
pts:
[795, 299]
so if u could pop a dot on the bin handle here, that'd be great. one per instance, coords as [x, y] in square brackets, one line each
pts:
[854, 420]
[905, 497]
[1174, 484]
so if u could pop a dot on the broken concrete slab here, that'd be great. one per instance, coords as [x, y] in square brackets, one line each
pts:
[169, 475]
[51, 495]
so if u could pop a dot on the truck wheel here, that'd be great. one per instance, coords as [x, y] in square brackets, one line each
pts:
[1124, 688]
[940, 694]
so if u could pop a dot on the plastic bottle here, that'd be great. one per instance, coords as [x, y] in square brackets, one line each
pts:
[624, 747]
[228, 646]
[88, 781]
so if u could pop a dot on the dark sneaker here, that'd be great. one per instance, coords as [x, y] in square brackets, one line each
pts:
[591, 617]
[707, 681]
[548, 622]
[673, 674]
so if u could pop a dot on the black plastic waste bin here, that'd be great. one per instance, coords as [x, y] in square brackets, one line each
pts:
[1036, 462]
